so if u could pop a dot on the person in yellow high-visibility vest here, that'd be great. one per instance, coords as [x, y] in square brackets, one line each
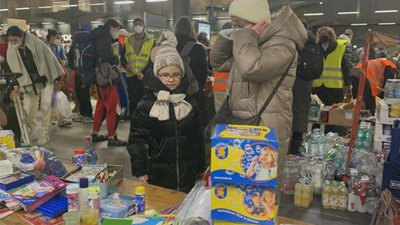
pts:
[335, 80]
[135, 59]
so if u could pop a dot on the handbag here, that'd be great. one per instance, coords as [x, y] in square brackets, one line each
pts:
[386, 210]
[225, 116]
[106, 74]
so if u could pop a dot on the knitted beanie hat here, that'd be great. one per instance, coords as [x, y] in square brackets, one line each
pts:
[167, 55]
[253, 11]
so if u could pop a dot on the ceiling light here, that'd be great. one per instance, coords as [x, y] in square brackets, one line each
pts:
[61, 23]
[313, 14]
[321, 3]
[22, 8]
[69, 6]
[156, 0]
[3, 10]
[96, 21]
[45, 7]
[359, 24]
[46, 23]
[97, 4]
[387, 11]
[123, 2]
[130, 21]
[348, 13]
[200, 18]
[383, 24]
[3, 24]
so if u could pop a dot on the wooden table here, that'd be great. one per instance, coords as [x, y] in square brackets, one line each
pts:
[156, 198]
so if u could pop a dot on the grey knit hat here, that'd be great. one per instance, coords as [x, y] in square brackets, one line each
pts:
[167, 55]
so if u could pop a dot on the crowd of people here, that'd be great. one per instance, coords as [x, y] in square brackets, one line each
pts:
[159, 85]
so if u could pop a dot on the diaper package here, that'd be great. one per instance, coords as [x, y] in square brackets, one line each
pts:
[243, 204]
[242, 154]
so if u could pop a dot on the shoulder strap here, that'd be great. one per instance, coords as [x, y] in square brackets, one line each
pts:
[187, 49]
[276, 88]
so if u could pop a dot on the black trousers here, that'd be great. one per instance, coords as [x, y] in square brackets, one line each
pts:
[83, 96]
[135, 92]
[297, 138]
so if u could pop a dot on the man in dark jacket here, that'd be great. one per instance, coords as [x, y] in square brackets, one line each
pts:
[185, 34]
[107, 49]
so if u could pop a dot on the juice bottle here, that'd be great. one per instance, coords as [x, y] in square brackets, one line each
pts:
[326, 195]
[343, 197]
[307, 192]
[334, 196]
[352, 197]
[298, 194]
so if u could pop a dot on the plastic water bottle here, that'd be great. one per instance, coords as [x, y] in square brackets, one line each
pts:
[360, 136]
[321, 144]
[298, 194]
[90, 153]
[334, 195]
[367, 137]
[352, 197]
[78, 159]
[342, 197]
[391, 89]
[313, 146]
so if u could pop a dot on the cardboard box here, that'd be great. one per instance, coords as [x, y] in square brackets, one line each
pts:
[243, 204]
[383, 131]
[117, 206]
[7, 138]
[244, 155]
[341, 117]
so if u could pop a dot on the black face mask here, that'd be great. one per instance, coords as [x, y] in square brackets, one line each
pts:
[323, 39]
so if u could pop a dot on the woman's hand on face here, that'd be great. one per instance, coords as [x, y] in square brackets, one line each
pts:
[143, 179]
[260, 27]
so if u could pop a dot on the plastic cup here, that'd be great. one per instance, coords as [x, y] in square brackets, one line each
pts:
[72, 218]
[89, 217]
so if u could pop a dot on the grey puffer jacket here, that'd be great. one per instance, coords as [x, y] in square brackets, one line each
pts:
[256, 63]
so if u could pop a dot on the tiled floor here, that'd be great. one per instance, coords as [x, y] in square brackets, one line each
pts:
[65, 140]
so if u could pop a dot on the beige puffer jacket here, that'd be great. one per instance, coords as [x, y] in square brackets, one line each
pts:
[256, 63]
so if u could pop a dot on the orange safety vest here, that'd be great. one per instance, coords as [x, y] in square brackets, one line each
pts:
[220, 80]
[376, 73]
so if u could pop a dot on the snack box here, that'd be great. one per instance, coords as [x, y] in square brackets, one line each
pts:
[116, 171]
[244, 155]
[15, 180]
[117, 206]
[243, 204]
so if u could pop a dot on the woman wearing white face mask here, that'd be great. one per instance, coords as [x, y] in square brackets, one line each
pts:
[30, 56]
[54, 40]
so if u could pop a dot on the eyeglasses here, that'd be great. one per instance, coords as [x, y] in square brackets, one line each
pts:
[167, 76]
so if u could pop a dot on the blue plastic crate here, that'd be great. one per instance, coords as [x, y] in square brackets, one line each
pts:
[15, 180]
[54, 207]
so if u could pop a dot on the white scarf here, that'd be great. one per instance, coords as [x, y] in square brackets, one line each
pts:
[160, 109]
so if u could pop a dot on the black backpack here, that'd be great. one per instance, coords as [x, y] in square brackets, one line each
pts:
[311, 61]
[185, 55]
[83, 56]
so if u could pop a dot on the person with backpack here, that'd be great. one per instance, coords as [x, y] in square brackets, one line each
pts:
[136, 60]
[310, 64]
[259, 51]
[31, 56]
[165, 141]
[194, 57]
[82, 59]
[107, 52]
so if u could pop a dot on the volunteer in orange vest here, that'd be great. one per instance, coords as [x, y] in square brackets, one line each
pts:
[219, 88]
[335, 80]
[378, 72]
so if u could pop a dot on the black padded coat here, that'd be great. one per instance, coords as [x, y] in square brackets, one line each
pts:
[170, 152]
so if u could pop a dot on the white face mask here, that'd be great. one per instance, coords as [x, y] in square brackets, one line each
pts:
[138, 29]
[17, 45]
[114, 35]
[57, 42]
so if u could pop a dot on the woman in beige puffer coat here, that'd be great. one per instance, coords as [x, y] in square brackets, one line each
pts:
[256, 63]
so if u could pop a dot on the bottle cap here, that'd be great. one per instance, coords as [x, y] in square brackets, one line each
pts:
[94, 192]
[88, 138]
[79, 151]
[72, 188]
[140, 190]
[84, 182]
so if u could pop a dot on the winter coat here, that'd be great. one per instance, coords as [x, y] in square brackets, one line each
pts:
[257, 64]
[104, 42]
[45, 61]
[170, 152]
[301, 98]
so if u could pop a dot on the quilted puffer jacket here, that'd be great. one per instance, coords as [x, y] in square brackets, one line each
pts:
[170, 152]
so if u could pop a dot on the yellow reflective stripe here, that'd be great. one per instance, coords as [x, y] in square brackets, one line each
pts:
[220, 81]
[332, 78]
[332, 75]
[138, 62]
[332, 69]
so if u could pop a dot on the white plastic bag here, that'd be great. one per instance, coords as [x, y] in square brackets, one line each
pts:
[195, 206]
[63, 105]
